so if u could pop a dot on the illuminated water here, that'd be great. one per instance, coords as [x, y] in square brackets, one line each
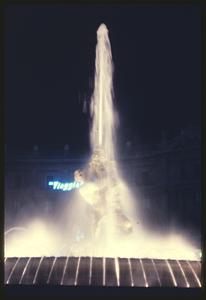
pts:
[68, 234]
[119, 209]
[102, 110]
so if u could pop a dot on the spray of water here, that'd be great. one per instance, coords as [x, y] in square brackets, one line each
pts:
[104, 188]
[102, 110]
[101, 220]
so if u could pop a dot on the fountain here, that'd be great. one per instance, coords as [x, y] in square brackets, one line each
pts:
[105, 245]
[116, 227]
[102, 187]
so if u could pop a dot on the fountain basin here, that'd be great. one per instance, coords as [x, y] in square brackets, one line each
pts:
[99, 271]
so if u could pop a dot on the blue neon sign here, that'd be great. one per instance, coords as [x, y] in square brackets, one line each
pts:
[64, 186]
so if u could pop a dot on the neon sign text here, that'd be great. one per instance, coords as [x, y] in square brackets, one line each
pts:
[64, 186]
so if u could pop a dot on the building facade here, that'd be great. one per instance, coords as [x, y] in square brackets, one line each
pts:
[165, 179]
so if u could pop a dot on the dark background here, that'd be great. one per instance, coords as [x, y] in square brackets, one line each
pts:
[49, 55]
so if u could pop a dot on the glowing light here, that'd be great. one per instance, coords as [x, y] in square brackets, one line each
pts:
[194, 273]
[48, 279]
[41, 238]
[65, 266]
[144, 274]
[37, 271]
[117, 269]
[77, 271]
[64, 186]
[183, 273]
[54, 184]
[130, 270]
[156, 272]
[12, 270]
[102, 110]
[22, 275]
[171, 273]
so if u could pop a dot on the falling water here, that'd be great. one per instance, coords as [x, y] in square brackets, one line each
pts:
[103, 170]
[119, 205]
[104, 191]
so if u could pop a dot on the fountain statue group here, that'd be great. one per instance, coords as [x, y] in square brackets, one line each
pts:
[102, 191]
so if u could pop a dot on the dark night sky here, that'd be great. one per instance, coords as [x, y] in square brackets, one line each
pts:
[49, 57]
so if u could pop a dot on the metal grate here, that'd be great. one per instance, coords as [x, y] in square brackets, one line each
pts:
[96, 271]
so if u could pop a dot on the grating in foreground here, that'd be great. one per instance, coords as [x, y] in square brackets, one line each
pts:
[96, 271]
